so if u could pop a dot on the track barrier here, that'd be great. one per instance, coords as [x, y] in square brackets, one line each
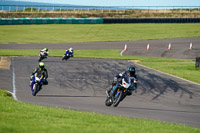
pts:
[20, 21]
[197, 63]
[14, 21]
[151, 20]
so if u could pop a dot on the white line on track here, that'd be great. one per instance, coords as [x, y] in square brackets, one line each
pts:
[14, 88]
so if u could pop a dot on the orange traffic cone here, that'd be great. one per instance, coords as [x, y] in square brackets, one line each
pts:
[148, 46]
[190, 45]
[170, 46]
[125, 47]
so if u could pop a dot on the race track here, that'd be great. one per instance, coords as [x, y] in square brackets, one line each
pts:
[80, 84]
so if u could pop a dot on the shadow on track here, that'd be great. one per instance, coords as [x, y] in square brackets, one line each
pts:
[157, 85]
[65, 96]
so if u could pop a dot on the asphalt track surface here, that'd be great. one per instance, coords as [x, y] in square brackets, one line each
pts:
[158, 48]
[80, 84]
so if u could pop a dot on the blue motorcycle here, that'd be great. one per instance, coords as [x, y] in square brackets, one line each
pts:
[37, 82]
[67, 55]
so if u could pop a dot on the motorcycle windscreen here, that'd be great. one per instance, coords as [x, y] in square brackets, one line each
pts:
[126, 82]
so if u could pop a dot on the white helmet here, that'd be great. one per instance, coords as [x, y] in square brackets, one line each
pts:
[70, 49]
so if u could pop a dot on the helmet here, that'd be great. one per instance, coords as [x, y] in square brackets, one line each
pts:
[45, 49]
[70, 49]
[41, 65]
[131, 70]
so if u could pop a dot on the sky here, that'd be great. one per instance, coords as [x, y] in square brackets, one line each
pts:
[122, 2]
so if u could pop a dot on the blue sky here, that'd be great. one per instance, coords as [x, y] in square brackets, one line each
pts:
[122, 2]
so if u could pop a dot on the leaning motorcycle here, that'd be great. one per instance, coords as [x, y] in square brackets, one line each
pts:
[42, 56]
[119, 92]
[37, 82]
[65, 57]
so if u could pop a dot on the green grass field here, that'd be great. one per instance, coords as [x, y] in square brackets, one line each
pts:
[19, 117]
[64, 33]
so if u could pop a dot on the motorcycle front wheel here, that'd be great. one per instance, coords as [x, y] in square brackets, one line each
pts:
[40, 59]
[117, 99]
[35, 89]
[65, 58]
[108, 102]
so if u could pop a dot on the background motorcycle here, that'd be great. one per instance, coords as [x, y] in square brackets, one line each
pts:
[118, 92]
[42, 56]
[37, 82]
[67, 55]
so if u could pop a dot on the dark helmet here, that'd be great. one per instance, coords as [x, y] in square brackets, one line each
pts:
[131, 70]
[41, 65]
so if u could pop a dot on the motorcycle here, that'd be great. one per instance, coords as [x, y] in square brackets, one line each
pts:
[67, 55]
[42, 56]
[37, 82]
[119, 92]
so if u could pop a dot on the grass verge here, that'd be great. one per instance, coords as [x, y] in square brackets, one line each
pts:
[184, 68]
[63, 33]
[18, 117]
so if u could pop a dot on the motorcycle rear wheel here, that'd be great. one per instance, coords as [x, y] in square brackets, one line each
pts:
[41, 58]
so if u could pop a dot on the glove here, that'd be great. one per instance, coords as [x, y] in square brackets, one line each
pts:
[115, 79]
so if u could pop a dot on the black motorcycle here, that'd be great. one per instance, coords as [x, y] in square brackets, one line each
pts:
[66, 57]
[42, 56]
[119, 92]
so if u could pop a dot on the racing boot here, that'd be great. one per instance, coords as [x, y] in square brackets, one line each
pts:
[31, 78]
[30, 83]
[108, 93]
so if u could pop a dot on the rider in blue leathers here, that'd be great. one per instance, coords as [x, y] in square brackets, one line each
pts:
[131, 72]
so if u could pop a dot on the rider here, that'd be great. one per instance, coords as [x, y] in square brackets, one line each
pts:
[45, 51]
[70, 52]
[131, 72]
[41, 69]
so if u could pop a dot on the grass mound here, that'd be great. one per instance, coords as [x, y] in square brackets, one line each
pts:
[20, 117]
